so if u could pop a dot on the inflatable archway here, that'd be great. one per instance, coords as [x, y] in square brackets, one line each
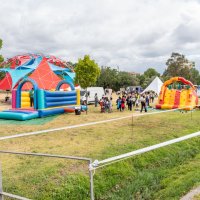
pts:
[20, 98]
[65, 82]
[184, 96]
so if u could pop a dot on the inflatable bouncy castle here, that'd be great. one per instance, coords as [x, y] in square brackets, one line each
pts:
[177, 93]
[41, 86]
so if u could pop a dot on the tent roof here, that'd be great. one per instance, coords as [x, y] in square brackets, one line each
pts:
[71, 75]
[13, 77]
[44, 76]
[56, 68]
[16, 75]
[155, 86]
[6, 82]
[31, 64]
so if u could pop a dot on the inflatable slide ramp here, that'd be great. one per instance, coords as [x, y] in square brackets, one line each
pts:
[177, 93]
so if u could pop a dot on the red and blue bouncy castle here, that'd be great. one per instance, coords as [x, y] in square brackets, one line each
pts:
[45, 102]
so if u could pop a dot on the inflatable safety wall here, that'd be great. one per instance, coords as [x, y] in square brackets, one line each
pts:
[184, 96]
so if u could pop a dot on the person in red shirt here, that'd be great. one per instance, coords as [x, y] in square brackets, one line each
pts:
[123, 103]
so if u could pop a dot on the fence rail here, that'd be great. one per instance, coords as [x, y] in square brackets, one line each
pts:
[88, 160]
[97, 164]
[91, 165]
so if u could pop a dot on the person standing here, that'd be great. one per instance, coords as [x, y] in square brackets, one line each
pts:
[96, 100]
[118, 102]
[137, 100]
[130, 103]
[31, 93]
[123, 103]
[147, 100]
[134, 100]
[143, 103]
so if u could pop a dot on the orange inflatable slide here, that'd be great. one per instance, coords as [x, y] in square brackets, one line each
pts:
[182, 96]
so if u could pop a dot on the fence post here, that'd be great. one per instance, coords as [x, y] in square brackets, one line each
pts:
[1, 185]
[91, 181]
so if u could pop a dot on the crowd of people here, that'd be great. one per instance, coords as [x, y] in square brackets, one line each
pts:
[130, 101]
[105, 103]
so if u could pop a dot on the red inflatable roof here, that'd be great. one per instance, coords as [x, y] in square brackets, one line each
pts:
[43, 71]
[44, 77]
[6, 82]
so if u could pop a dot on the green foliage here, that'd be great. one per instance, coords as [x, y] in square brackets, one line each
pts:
[111, 78]
[179, 65]
[1, 57]
[151, 72]
[2, 75]
[148, 76]
[107, 78]
[125, 79]
[194, 76]
[87, 72]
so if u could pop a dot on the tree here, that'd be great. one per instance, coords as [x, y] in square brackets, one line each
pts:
[87, 72]
[107, 78]
[151, 72]
[195, 76]
[2, 74]
[179, 65]
[111, 78]
[124, 79]
[1, 57]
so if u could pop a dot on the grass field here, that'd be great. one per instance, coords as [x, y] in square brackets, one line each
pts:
[166, 173]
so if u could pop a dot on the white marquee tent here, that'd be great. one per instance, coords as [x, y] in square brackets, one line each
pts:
[155, 86]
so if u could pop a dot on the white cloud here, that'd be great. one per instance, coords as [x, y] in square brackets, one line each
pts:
[133, 35]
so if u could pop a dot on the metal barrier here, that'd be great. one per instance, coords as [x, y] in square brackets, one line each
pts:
[88, 160]
[91, 165]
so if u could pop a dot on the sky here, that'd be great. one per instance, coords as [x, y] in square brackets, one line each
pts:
[130, 35]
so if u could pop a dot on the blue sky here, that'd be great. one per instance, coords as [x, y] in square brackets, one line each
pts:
[133, 35]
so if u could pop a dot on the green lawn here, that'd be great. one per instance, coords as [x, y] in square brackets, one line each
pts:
[166, 173]
[197, 197]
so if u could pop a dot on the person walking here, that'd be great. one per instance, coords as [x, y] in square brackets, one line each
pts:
[143, 103]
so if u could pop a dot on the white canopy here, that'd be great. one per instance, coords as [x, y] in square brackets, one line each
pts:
[155, 86]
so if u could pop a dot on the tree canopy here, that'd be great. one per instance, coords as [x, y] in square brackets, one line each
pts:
[107, 78]
[179, 65]
[1, 57]
[87, 72]
[150, 72]
[111, 78]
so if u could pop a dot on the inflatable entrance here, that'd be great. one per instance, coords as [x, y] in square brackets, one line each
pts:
[177, 93]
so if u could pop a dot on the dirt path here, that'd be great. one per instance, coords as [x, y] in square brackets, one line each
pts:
[191, 194]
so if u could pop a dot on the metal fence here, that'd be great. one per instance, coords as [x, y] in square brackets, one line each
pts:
[88, 160]
[91, 165]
